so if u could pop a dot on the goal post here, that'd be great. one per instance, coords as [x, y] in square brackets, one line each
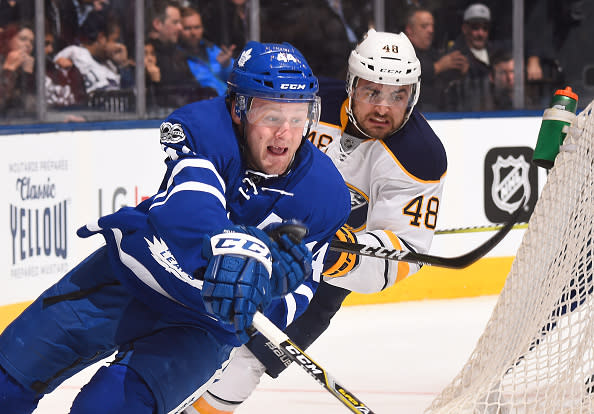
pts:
[536, 354]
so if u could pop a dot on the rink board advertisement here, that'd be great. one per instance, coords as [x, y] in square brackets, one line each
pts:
[62, 180]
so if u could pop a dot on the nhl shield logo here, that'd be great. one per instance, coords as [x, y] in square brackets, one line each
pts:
[509, 179]
[506, 185]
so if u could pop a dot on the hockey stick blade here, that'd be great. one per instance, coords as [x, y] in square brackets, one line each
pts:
[292, 351]
[458, 262]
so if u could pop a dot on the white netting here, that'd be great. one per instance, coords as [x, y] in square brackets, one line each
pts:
[536, 354]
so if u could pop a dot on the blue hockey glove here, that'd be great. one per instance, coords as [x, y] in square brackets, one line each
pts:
[291, 259]
[247, 269]
[237, 278]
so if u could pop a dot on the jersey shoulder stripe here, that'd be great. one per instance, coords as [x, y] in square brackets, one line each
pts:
[418, 149]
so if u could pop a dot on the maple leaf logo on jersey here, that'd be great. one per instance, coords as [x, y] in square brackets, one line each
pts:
[162, 255]
[245, 56]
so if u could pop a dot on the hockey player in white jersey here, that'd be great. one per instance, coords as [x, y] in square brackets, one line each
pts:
[394, 166]
[176, 286]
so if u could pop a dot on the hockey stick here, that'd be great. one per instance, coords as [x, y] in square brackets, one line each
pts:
[292, 351]
[458, 262]
[479, 229]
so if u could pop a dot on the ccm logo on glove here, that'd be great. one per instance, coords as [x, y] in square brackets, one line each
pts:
[241, 244]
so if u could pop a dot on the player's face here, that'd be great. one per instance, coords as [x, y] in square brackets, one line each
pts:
[274, 131]
[379, 109]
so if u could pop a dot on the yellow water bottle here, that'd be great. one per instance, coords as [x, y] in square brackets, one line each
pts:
[555, 124]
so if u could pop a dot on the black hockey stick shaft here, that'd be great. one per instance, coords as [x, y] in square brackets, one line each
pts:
[295, 354]
[457, 262]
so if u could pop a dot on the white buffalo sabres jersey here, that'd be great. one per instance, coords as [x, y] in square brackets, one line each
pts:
[396, 186]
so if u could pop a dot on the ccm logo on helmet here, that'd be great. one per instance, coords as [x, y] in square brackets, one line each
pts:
[390, 70]
[292, 86]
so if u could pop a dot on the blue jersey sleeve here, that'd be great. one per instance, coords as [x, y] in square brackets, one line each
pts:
[192, 199]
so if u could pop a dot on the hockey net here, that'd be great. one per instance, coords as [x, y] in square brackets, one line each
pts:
[536, 354]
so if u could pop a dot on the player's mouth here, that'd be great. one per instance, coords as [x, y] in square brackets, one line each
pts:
[378, 121]
[277, 150]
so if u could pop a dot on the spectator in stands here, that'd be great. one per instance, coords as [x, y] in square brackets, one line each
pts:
[398, 11]
[178, 86]
[226, 22]
[357, 15]
[555, 32]
[65, 18]
[303, 25]
[210, 64]
[464, 92]
[119, 62]
[17, 79]
[164, 31]
[118, 58]
[337, 7]
[89, 56]
[152, 73]
[62, 22]
[151, 64]
[64, 84]
[501, 80]
[474, 41]
[420, 30]
[10, 12]
[502, 83]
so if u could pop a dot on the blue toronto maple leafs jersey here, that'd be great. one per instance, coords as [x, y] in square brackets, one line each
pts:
[156, 247]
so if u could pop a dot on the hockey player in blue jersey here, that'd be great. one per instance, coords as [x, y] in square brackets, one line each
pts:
[175, 288]
[395, 167]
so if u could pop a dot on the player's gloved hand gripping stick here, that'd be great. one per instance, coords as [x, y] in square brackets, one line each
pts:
[458, 262]
[247, 269]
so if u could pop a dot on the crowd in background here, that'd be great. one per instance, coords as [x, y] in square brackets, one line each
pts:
[465, 49]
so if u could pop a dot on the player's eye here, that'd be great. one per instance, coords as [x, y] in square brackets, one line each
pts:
[396, 97]
[272, 118]
[297, 120]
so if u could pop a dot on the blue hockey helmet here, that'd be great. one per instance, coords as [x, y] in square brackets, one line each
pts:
[277, 72]
[273, 71]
